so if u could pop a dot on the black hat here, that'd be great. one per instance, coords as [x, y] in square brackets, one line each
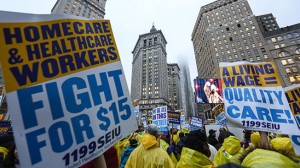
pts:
[211, 131]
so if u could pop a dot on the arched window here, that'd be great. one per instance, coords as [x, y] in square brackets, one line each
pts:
[298, 51]
[284, 54]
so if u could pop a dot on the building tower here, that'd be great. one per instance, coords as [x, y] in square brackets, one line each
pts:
[149, 82]
[86, 8]
[188, 102]
[267, 23]
[227, 31]
[174, 94]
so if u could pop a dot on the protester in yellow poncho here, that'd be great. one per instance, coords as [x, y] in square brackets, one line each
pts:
[148, 154]
[229, 151]
[195, 154]
[164, 145]
[261, 158]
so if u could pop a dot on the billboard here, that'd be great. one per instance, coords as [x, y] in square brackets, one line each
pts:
[208, 90]
[65, 88]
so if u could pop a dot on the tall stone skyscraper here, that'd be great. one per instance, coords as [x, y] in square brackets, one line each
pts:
[86, 8]
[149, 82]
[174, 94]
[227, 31]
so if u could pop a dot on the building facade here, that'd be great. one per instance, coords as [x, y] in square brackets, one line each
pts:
[284, 45]
[267, 23]
[94, 9]
[227, 31]
[149, 82]
[187, 93]
[174, 93]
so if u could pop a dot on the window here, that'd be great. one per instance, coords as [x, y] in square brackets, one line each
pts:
[251, 59]
[238, 25]
[283, 54]
[230, 57]
[283, 62]
[266, 56]
[279, 38]
[255, 51]
[282, 45]
[289, 36]
[298, 51]
[295, 69]
[292, 79]
[249, 53]
[273, 39]
[276, 46]
[296, 34]
[290, 61]
[288, 70]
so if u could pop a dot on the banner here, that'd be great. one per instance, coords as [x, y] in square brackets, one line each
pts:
[292, 94]
[221, 119]
[254, 98]
[196, 123]
[208, 90]
[160, 118]
[5, 127]
[65, 88]
[174, 117]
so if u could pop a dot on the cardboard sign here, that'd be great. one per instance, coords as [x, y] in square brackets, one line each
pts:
[221, 119]
[65, 87]
[254, 98]
[292, 94]
[196, 123]
[174, 117]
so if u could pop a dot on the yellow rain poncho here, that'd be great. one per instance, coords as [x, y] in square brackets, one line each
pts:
[283, 144]
[4, 151]
[261, 158]
[149, 155]
[255, 139]
[193, 159]
[120, 146]
[229, 151]
[164, 145]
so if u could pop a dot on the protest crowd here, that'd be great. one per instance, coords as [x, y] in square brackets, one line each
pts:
[184, 148]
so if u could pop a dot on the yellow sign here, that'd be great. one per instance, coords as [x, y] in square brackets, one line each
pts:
[47, 50]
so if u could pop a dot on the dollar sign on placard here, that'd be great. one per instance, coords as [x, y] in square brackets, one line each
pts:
[106, 122]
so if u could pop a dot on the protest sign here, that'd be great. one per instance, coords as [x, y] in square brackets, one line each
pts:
[196, 123]
[5, 127]
[254, 98]
[208, 90]
[221, 119]
[292, 94]
[65, 88]
[160, 118]
[174, 117]
[136, 111]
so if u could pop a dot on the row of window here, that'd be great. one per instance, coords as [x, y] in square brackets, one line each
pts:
[292, 69]
[289, 35]
[287, 53]
[294, 79]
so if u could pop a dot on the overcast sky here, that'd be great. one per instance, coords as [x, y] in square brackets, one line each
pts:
[175, 18]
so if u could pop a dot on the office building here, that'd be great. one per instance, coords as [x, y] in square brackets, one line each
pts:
[227, 31]
[94, 9]
[267, 23]
[187, 93]
[174, 93]
[149, 82]
[284, 44]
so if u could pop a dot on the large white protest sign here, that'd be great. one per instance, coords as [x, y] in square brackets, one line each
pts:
[160, 116]
[254, 98]
[293, 96]
[65, 86]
